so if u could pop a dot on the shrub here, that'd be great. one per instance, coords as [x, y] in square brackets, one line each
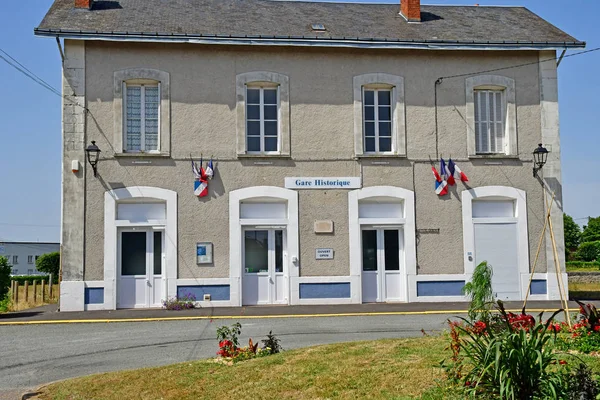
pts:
[180, 303]
[5, 304]
[589, 251]
[271, 344]
[583, 264]
[48, 263]
[582, 385]
[479, 291]
[4, 277]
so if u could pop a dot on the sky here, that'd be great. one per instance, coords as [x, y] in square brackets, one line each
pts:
[30, 116]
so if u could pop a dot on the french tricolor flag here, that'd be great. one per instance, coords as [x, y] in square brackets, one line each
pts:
[452, 168]
[447, 174]
[441, 186]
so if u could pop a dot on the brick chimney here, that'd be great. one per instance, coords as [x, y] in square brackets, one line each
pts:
[411, 10]
[84, 4]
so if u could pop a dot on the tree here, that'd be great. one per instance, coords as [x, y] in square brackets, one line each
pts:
[4, 277]
[591, 232]
[589, 251]
[572, 235]
[49, 263]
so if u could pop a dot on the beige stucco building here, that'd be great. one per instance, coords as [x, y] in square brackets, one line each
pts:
[323, 122]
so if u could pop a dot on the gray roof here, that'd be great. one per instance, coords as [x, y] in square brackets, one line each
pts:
[290, 21]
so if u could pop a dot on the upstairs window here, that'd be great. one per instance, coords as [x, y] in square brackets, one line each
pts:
[491, 116]
[29, 259]
[142, 106]
[377, 117]
[489, 122]
[15, 260]
[142, 116]
[262, 114]
[262, 120]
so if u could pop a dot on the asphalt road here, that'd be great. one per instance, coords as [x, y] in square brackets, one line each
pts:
[31, 355]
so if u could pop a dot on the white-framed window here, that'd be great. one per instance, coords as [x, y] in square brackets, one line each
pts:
[262, 119]
[142, 112]
[29, 272]
[142, 116]
[15, 271]
[377, 120]
[379, 115]
[15, 260]
[490, 117]
[263, 114]
[29, 259]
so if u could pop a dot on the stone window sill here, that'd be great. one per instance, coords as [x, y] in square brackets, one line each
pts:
[142, 155]
[250, 156]
[494, 156]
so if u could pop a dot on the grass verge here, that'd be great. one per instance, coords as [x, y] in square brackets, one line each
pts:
[382, 369]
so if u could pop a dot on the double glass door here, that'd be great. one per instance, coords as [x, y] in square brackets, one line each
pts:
[140, 268]
[263, 270]
[382, 268]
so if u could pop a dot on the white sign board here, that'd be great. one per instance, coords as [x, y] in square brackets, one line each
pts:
[352, 182]
[324, 254]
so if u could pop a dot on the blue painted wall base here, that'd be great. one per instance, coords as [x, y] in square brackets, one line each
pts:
[539, 286]
[440, 288]
[334, 290]
[94, 295]
[217, 292]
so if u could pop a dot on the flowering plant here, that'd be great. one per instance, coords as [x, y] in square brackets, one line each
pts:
[184, 302]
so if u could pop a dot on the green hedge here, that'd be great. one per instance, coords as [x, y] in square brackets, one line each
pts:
[584, 264]
[30, 278]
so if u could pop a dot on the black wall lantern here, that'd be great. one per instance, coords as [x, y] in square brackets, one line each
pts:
[540, 155]
[93, 153]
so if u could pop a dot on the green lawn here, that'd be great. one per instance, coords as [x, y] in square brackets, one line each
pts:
[382, 369]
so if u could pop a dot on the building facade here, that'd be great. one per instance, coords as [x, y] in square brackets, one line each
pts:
[322, 129]
[23, 255]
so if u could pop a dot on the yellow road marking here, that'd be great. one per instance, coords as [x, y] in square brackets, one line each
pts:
[208, 317]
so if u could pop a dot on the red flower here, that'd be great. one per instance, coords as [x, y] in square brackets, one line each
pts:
[562, 362]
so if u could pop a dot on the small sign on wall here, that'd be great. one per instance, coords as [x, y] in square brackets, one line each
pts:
[324, 254]
[204, 251]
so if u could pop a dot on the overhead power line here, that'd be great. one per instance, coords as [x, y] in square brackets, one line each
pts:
[29, 74]
[579, 53]
[31, 225]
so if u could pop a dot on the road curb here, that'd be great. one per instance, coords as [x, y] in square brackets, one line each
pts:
[229, 317]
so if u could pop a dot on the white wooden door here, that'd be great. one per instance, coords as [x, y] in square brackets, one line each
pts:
[140, 269]
[382, 269]
[263, 280]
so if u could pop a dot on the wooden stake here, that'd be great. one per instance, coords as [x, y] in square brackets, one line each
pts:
[16, 293]
[26, 291]
[43, 290]
[537, 254]
[35, 291]
[561, 287]
[50, 287]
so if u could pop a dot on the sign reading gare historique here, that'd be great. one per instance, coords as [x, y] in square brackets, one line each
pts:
[352, 182]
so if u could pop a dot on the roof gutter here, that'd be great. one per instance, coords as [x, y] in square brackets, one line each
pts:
[305, 41]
